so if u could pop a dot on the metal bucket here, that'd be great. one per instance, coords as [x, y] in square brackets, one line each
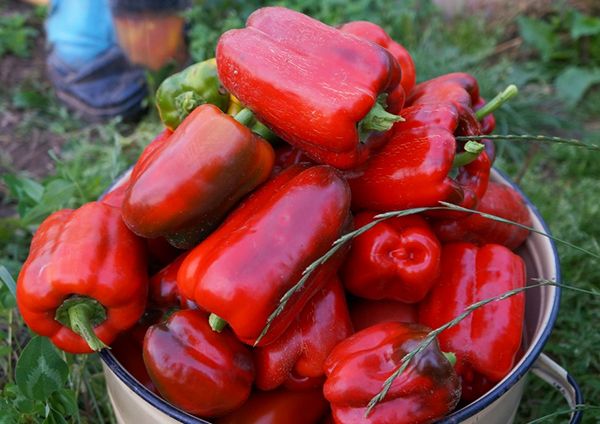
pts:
[133, 403]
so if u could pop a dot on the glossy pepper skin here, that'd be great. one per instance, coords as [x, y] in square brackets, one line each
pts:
[499, 200]
[397, 259]
[84, 253]
[279, 407]
[487, 341]
[413, 168]
[184, 188]
[365, 312]
[195, 368]
[184, 91]
[376, 34]
[303, 348]
[308, 82]
[357, 368]
[243, 268]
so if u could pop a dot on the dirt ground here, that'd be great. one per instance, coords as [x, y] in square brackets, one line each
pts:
[24, 150]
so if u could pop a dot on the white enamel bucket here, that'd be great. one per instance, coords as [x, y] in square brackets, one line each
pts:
[133, 403]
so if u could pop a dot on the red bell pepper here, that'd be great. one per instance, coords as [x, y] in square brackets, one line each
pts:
[195, 368]
[279, 407]
[303, 348]
[357, 368]
[487, 341]
[318, 88]
[397, 259]
[376, 34]
[499, 200]
[184, 188]
[164, 292]
[243, 268]
[365, 312]
[84, 280]
[413, 168]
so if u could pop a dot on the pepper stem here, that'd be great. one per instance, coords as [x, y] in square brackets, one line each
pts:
[378, 119]
[245, 117]
[501, 98]
[472, 151]
[451, 357]
[186, 102]
[81, 314]
[216, 323]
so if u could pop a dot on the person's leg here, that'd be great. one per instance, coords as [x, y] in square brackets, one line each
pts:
[90, 73]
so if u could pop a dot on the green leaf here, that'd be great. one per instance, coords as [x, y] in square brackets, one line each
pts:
[54, 417]
[65, 402]
[29, 99]
[538, 34]
[8, 412]
[58, 194]
[584, 25]
[8, 281]
[23, 188]
[572, 84]
[40, 370]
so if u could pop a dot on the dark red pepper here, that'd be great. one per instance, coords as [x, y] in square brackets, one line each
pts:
[499, 200]
[303, 348]
[397, 259]
[357, 368]
[315, 86]
[279, 407]
[365, 312]
[195, 368]
[487, 341]
[183, 189]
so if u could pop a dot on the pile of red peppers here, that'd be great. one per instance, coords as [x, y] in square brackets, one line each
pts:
[297, 134]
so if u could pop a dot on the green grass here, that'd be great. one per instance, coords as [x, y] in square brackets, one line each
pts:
[563, 182]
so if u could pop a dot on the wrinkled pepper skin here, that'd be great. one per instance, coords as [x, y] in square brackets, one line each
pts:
[357, 368]
[397, 259]
[90, 253]
[184, 91]
[487, 341]
[184, 188]
[243, 268]
[365, 312]
[279, 407]
[412, 169]
[195, 368]
[310, 83]
[303, 348]
[376, 34]
[499, 200]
